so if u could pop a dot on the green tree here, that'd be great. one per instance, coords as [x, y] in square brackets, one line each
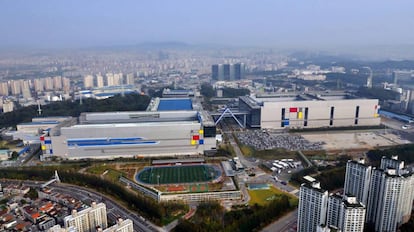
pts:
[129, 102]
[233, 93]
[207, 90]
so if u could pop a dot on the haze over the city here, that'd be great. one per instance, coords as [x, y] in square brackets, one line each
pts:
[304, 24]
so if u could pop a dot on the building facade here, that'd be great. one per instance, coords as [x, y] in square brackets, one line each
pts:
[89, 219]
[287, 111]
[357, 180]
[132, 134]
[390, 196]
[312, 207]
[352, 215]
[121, 226]
[334, 209]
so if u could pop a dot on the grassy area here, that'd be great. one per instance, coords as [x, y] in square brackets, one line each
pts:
[98, 169]
[226, 150]
[264, 196]
[246, 150]
[170, 218]
[109, 170]
[113, 175]
[275, 154]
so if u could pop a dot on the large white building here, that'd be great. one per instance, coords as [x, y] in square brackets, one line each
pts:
[357, 179]
[89, 219]
[312, 207]
[132, 134]
[309, 111]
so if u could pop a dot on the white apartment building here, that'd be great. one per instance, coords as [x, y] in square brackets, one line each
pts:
[388, 191]
[312, 207]
[88, 219]
[352, 215]
[392, 163]
[334, 209]
[390, 197]
[88, 81]
[121, 226]
[100, 81]
[357, 179]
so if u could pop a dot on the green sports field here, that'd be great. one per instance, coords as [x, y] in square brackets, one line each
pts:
[177, 174]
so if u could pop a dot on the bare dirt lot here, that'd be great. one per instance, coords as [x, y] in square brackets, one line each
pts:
[355, 140]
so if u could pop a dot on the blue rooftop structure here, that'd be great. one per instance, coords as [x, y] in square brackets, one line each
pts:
[401, 117]
[175, 104]
[23, 150]
[40, 123]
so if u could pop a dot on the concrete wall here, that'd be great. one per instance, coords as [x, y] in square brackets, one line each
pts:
[319, 113]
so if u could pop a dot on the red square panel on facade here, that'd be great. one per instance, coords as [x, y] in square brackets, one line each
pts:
[196, 137]
[42, 138]
[293, 110]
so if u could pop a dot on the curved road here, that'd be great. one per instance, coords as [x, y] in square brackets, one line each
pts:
[114, 210]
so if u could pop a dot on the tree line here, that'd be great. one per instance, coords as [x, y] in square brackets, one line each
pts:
[210, 216]
[404, 152]
[129, 102]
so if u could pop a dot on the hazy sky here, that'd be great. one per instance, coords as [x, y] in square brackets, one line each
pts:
[277, 23]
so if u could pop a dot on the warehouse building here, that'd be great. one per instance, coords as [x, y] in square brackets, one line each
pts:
[132, 134]
[309, 110]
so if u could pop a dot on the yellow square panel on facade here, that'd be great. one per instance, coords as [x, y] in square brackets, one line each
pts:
[43, 147]
[376, 115]
[201, 132]
[193, 142]
[300, 115]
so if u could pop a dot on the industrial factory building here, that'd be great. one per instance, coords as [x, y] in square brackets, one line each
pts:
[309, 111]
[166, 132]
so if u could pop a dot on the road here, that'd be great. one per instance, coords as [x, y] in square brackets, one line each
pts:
[285, 223]
[114, 210]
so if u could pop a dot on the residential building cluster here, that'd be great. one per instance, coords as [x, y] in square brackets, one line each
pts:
[110, 79]
[379, 198]
[25, 87]
[53, 212]
[32, 91]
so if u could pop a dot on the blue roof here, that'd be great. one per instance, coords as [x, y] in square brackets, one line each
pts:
[40, 123]
[23, 150]
[175, 104]
[101, 142]
[110, 94]
[400, 117]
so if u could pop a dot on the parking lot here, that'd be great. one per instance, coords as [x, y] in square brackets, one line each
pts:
[262, 140]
